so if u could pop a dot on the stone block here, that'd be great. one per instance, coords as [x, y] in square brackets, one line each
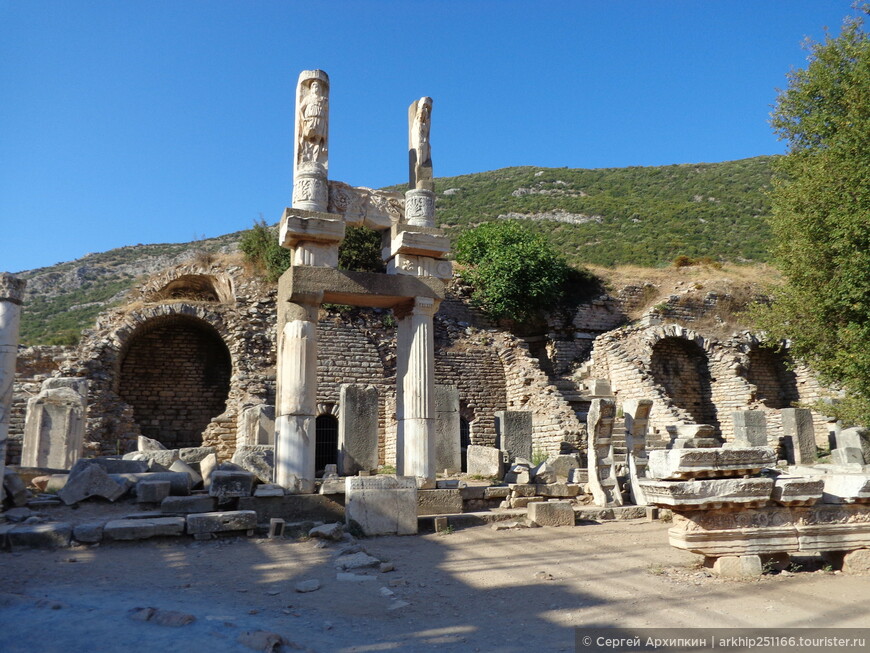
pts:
[707, 494]
[179, 483]
[332, 486]
[220, 522]
[206, 466]
[856, 437]
[228, 484]
[598, 387]
[259, 459]
[327, 531]
[746, 566]
[847, 456]
[448, 454]
[797, 491]
[189, 504]
[551, 513]
[799, 435]
[523, 489]
[857, 562]
[563, 464]
[256, 425]
[678, 464]
[357, 429]
[514, 432]
[382, 505]
[116, 465]
[557, 490]
[152, 491]
[15, 491]
[148, 444]
[270, 490]
[87, 481]
[181, 467]
[159, 459]
[439, 502]
[523, 502]
[750, 428]
[89, 532]
[518, 474]
[483, 461]
[579, 476]
[191, 455]
[54, 428]
[294, 508]
[142, 529]
[846, 488]
[496, 493]
[39, 536]
[473, 492]
[544, 474]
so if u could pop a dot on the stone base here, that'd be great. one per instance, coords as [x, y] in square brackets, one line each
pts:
[747, 566]
[294, 508]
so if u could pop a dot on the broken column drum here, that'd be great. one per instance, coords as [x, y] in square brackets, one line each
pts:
[414, 252]
[11, 293]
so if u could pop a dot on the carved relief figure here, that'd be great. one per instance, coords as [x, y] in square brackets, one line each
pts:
[419, 150]
[313, 122]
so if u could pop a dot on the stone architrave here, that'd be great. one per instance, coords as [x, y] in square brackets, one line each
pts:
[636, 412]
[448, 454]
[357, 429]
[11, 293]
[750, 428]
[415, 386]
[602, 472]
[799, 434]
[682, 464]
[296, 398]
[54, 429]
[514, 431]
[382, 505]
[311, 143]
[256, 426]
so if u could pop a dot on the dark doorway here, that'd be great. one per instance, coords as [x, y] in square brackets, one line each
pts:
[464, 441]
[326, 442]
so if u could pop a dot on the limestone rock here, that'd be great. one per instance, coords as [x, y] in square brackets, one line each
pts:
[544, 474]
[258, 459]
[857, 562]
[308, 586]
[359, 560]
[562, 465]
[327, 532]
[149, 444]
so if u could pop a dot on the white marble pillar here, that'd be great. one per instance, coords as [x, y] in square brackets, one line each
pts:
[297, 399]
[11, 292]
[415, 392]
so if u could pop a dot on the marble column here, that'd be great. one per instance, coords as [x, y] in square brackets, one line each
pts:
[311, 144]
[415, 391]
[296, 407]
[11, 292]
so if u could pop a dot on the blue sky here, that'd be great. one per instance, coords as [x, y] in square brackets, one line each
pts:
[125, 121]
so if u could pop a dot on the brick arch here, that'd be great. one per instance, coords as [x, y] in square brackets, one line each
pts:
[174, 369]
[680, 366]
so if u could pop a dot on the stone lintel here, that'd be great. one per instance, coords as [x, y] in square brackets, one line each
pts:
[355, 288]
[417, 243]
[300, 225]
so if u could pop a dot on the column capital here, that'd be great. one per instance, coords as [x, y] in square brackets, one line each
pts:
[423, 306]
[11, 288]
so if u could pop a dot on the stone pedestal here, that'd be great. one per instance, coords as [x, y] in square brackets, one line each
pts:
[420, 207]
[11, 293]
[382, 505]
[357, 429]
[54, 428]
[636, 412]
[448, 454]
[602, 472]
[415, 385]
[750, 428]
[296, 398]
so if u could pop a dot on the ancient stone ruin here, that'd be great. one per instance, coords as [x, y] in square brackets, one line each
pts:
[387, 403]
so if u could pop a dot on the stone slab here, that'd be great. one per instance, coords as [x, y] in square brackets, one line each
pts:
[15, 491]
[551, 513]
[679, 464]
[857, 438]
[439, 502]
[846, 488]
[152, 491]
[89, 532]
[514, 432]
[259, 459]
[557, 490]
[797, 490]
[220, 522]
[86, 481]
[750, 428]
[746, 566]
[448, 454]
[847, 456]
[52, 535]
[179, 483]
[115, 465]
[799, 435]
[358, 429]
[191, 455]
[563, 464]
[142, 529]
[294, 508]
[382, 505]
[227, 484]
[182, 467]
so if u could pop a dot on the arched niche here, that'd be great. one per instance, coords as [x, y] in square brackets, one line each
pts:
[194, 287]
[680, 366]
[775, 383]
[174, 370]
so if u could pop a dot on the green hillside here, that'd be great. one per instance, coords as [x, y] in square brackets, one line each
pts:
[641, 215]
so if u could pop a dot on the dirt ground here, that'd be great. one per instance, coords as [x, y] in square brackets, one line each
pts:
[471, 590]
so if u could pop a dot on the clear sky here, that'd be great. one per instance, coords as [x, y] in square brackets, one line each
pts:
[132, 121]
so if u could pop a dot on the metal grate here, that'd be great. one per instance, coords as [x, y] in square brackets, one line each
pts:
[326, 442]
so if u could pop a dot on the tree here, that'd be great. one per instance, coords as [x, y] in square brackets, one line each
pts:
[515, 272]
[821, 216]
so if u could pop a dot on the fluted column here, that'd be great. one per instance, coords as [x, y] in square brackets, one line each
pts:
[296, 398]
[11, 292]
[415, 391]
